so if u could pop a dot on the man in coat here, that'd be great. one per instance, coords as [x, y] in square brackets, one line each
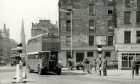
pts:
[133, 65]
[104, 65]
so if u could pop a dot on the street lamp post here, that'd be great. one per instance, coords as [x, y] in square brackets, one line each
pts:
[102, 62]
[99, 49]
[71, 34]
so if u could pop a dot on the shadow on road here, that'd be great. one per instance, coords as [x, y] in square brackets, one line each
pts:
[72, 73]
[24, 82]
[63, 73]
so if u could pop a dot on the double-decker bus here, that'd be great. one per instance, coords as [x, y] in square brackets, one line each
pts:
[42, 54]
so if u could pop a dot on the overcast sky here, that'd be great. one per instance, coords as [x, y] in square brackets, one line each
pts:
[13, 11]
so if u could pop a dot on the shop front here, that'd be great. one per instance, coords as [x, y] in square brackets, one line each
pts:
[81, 53]
[125, 53]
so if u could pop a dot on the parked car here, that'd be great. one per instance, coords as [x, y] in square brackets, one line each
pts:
[80, 66]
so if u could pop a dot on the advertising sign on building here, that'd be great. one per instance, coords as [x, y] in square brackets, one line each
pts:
[101, 40]
[80, 40]
[127, 47]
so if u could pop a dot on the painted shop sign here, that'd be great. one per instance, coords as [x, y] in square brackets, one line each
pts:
[129, 47]
[101, 40]
[80, 40]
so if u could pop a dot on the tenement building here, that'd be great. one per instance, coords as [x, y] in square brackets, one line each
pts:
[127, 32]
[43, 26]
[84, 24]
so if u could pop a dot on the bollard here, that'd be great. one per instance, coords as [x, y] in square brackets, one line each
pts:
[19, 73]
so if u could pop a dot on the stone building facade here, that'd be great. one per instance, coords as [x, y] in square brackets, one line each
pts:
[92, 24]
[6, 44]
[44, 26]
[127, 32]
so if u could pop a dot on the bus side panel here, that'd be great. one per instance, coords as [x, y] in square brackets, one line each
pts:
[47, 46]
[35, 47]
[30, 64]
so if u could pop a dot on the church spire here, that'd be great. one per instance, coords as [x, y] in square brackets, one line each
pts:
[23, 36]
[5, 32]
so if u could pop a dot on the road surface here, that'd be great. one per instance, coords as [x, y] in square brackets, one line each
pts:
[68, 77]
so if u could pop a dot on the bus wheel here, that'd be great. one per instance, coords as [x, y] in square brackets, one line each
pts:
[39, 70]
[58, 71]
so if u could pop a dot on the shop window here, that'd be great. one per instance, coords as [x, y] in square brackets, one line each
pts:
[79, 57]
[138, 56]
[68, 54]
[107, 54]
[138, 17]
[127, 3]
[127, 37]
[124, 57]
[125, 61]
[138, 36]
[68, 40]
[130, 58]
[110, 40]
[127, 16]
[91, 40]
[90, 54]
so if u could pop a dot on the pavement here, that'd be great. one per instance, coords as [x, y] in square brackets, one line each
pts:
[111, 74]
[7, 69]
[8, 72]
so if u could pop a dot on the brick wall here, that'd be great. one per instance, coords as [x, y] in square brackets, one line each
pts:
[81, 18]
[121, 8]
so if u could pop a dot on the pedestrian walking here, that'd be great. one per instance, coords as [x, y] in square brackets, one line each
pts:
[95, 65]
[86, 66]
[60, 63]
[69, 61]
[133, 64]
[70, 64]
[137, 67]
[100, 66]
[104, 65]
